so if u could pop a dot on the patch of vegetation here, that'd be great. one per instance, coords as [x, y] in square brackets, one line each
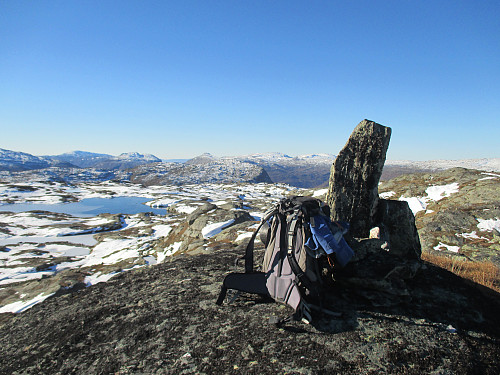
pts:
[482, 272]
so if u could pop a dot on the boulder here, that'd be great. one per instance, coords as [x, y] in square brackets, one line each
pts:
[189, 232]
[200, 211]
[398, 228]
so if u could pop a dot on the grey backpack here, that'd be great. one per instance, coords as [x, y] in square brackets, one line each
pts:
[300, 242]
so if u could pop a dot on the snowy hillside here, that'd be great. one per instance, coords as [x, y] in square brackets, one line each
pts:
[126, 161]
[82, 159]
[44, 249]
[456, 210]
[284, 159]
[20, 161]
[305, 171]
[127, 156]
[485, 164]
[203, 169]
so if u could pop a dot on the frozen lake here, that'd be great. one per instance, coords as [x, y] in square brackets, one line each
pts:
[82, 239]
[90, 207]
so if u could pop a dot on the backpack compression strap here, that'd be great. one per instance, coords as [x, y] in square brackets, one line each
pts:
[248, 257]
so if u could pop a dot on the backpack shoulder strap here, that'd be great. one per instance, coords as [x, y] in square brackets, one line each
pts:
[248, 257]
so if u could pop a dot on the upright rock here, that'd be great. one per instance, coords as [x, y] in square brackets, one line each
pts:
[353, 194]
[355, 174]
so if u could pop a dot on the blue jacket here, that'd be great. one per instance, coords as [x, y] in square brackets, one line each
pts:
[330, 241]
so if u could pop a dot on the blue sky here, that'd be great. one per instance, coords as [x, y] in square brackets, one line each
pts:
[179, 78]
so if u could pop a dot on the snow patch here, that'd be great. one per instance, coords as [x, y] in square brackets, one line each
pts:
[416, 204]
[489, 225]
[21, 274]
[171, 250]
[443, 246]
[491, 176]
[98, 278]
[434, 193]
[161, 230]
[437, 193]
[20, 306]
[212, 229]
[472, 235]
[163, 202]
[185, 209]
[243, 236]
[387, 194]
[320, 192]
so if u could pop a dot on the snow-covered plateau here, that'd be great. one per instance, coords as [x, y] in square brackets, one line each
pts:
[43, 252]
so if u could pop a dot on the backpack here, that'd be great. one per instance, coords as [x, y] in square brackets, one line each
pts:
[300, 241]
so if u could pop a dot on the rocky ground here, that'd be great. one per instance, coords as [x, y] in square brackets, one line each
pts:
[163, 320]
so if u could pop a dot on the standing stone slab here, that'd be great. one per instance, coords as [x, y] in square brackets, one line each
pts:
[354, 177]
[398, 223]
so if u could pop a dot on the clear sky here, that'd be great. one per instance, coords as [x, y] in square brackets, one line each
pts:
[179, 78]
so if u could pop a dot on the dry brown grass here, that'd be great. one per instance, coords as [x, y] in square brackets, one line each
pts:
[484, 273]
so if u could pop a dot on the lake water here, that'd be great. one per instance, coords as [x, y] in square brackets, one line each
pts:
[90, 207]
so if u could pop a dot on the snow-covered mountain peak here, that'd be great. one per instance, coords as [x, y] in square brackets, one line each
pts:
[137, 156]
[329, 157]
[20, 161]
[202, 159]
[268, 156]
[78, 153]
[17, 155]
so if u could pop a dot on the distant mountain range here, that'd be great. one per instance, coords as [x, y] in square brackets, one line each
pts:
[307, 171]
[146, 169]
[84, 159]
[14, 161]
[20, 161]
[394, 168]
[311, 171]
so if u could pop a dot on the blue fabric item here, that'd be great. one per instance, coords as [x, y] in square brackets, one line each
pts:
[331, 242]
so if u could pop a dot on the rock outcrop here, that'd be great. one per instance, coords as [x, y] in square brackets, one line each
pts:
[163, 320]
[353, 192]
[355, 174]
[190, 237]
